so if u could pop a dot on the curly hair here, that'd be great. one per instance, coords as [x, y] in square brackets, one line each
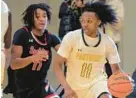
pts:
[104, 12]
[28, 14]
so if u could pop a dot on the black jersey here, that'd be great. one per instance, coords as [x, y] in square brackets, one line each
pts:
[26, 77]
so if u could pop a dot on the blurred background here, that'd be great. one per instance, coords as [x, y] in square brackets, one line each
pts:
[127, 49]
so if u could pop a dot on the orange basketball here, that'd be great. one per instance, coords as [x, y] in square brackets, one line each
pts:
[120, 85]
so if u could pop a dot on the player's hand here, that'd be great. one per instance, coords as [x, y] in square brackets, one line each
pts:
[37, 59]
[41, 55]
[69, 93]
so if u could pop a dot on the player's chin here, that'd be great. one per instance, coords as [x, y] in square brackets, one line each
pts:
[41, 28]
[85, 30]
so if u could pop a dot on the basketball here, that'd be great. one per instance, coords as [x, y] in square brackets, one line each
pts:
[120, 85]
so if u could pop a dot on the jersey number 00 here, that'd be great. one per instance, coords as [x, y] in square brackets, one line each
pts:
[86, 70]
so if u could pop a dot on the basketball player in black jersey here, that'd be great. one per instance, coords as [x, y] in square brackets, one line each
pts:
[31, 53]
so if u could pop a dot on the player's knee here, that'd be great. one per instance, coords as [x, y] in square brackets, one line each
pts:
[105, 95]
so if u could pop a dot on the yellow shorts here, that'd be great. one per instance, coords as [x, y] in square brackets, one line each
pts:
[94, 91]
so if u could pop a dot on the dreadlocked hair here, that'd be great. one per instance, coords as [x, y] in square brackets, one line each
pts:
[28, 14]
[104, 12]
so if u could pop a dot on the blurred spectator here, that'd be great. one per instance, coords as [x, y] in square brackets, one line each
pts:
[69, 13]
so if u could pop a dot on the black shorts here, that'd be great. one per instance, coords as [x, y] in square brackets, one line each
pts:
[43, 91]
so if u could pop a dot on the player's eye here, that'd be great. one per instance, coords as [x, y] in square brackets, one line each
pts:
[89, 21]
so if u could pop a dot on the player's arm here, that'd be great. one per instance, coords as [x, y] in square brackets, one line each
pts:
[7, 36]
[57, 47]
[59, 61]
[61, 57]
[58, 64]
[55, 42]
[113, 56]
[17, 61]
[115, 68]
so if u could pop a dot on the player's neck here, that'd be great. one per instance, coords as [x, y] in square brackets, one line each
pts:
[92, 34]
[37, 32]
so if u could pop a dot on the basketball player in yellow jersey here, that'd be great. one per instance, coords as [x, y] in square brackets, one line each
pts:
[85, 52]
[5, 36]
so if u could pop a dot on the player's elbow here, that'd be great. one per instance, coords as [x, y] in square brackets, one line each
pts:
[13, 67]
[13, 64]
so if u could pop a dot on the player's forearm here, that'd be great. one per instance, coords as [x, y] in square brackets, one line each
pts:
[18, 63]
[116, 68]
[60, 75]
